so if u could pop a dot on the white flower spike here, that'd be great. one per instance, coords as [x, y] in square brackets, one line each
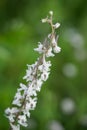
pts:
[25, 99]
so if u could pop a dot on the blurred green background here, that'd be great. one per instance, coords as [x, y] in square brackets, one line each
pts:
[62, 102]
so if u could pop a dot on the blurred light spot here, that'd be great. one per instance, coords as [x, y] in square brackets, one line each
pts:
[4, 54]
[70, 70]
[83, 120]
[54, 125]
[80, 55]
[76, 40]
[67, 106]
[16, 24]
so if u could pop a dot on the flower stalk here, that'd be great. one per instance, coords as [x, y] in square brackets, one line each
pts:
[26, 97]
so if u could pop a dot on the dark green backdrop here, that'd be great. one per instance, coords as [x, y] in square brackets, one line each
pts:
[62, 101]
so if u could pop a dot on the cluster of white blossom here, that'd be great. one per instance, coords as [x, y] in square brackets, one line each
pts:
[26, 96]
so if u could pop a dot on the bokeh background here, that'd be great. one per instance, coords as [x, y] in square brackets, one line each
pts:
[62, 102]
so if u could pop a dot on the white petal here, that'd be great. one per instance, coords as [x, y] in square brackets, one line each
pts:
[14, 127]
[16, 102]
[22, 120]
[49, 53]
[44, 76]
[40, 48]
[56, 49]
[23, 87]
[44, 20]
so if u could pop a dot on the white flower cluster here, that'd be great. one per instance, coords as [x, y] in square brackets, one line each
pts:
[26, 96]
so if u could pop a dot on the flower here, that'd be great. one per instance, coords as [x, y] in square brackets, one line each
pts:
[17, 99]
[45, 66]
[15, 127]
[22, 120]
[38, 84]
[44, 20]
[40, 48]
[31, 104]
[49, 52]
[44, 76]
[10, 113]
[22, 87]
[31, 91]
[56, 49]
[26, 112]
[57, 25]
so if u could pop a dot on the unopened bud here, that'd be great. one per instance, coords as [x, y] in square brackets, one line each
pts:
[51, 12]
[44, 20]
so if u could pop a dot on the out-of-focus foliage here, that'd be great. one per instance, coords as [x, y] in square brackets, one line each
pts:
[62, 103]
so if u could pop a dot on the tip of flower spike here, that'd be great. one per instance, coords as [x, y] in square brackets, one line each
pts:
[51, 13]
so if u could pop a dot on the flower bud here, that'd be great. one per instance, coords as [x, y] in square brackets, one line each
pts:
[51, 13]
[44, 20]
